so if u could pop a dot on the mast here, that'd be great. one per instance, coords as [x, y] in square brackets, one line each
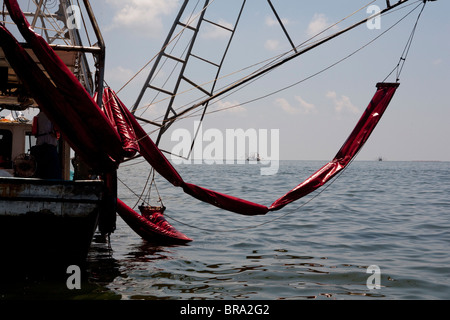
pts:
[64, 38]
[100, 56]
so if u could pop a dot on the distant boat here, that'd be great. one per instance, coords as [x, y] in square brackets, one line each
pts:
[254, 157]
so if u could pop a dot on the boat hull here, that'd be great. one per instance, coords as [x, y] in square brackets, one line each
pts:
[47, 225]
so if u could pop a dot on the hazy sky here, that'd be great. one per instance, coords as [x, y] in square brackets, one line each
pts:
[314, 117]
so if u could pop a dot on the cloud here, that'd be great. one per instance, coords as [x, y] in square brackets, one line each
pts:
[437, 62]
[143, 16]
[119, 74]
[270, 22]
[318, 23]
[232, 107]
[302, 107]
[285, 105]
[271, 45]
[342, 104]
[306, 107]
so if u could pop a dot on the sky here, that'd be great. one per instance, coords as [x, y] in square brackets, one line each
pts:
[314, 117]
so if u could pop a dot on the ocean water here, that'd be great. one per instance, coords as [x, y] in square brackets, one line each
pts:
[391, 216]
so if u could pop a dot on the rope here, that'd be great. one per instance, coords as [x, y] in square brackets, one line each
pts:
[404, 55]
[143, 189]
[141, 196]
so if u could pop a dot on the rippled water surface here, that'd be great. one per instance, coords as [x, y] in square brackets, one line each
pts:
[393, 215]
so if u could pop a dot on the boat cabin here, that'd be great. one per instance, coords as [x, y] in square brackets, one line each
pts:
[13, 144]
[16, 139]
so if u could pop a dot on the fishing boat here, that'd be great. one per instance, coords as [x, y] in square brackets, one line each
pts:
[55, 218]
[254, 157]
[46, 221]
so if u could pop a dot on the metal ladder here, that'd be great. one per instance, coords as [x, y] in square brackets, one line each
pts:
[182, 60]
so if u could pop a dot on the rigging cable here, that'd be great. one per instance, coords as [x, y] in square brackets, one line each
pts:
[143, 189]
[166, 59]
[52, 21]
[304, 79]
[270, 61]
[154, 57]
[275, 65]
[195, 113]
[405, 52]
[292, 85]
[84, 25]
[402, 60]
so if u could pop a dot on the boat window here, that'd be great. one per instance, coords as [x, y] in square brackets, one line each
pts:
[30, 140]
[5, 148]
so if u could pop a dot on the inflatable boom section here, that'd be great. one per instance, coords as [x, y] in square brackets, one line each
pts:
[347, 152]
